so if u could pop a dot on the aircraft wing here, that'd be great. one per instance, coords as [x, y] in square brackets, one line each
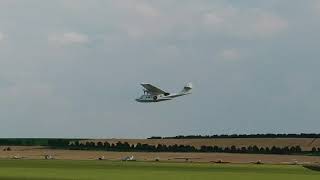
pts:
[152, 89]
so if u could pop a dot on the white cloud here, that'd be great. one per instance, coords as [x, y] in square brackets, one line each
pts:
[230, 54]
[134, 7]
[140, 19]
[247, 23]
[146, 10]
[268, 25]
[213, 19]
[27, 90]
[2, 36]
[218, 16]
[316, 6]
[69, 38]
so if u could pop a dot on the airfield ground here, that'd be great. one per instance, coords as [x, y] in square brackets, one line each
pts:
[97, 170]
[32, 152]
[27, 162]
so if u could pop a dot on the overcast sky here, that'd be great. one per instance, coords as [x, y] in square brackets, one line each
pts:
[72, 68]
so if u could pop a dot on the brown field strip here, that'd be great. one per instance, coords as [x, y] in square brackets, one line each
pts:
[39, 153]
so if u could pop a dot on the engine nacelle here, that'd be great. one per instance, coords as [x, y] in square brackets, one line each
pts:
[155, 98]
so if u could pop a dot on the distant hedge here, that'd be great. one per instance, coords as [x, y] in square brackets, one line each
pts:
[302, 135]
[35, 141]
[76, 144]
[126, 147]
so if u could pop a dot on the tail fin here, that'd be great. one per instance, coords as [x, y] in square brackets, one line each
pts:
[187, 88]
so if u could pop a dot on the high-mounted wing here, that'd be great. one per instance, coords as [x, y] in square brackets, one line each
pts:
[153, 90]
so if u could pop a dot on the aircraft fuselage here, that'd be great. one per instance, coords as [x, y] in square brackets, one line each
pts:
[157, 98]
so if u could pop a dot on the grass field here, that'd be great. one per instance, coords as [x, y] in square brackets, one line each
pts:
[99, 170]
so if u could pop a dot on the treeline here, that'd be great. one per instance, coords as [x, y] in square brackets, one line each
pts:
[302, 135]
[255, 150]
[35, 142]
[78, 144]
[126, 147]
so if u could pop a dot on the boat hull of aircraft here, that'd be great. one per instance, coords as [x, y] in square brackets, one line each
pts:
[142, 100]
[150, 99]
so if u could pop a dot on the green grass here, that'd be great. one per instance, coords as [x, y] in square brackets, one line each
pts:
[100, 170]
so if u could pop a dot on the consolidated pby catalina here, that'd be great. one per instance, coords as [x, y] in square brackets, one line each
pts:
[154, 94]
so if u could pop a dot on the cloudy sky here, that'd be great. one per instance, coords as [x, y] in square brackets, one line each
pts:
[72, 68]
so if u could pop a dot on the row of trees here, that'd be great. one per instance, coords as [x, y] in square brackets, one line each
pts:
[302, 135]
[75, 144]
[254, 150]
[35, 142]
[119, 146]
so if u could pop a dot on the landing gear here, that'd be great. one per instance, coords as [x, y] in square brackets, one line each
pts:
[155, 98]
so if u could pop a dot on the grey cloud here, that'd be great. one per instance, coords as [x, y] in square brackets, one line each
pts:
[87, 86]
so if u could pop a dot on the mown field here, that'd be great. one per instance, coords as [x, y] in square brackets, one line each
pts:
[99, 170]
[39, 152]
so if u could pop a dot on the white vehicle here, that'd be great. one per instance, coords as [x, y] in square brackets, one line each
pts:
[128, 158]
[17, 157]
[48, 156]
[154, 94]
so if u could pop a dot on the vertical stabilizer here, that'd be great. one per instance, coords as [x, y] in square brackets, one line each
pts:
[187, 88]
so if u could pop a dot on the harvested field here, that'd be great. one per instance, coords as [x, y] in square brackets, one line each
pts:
[39, 153]
[305, 143]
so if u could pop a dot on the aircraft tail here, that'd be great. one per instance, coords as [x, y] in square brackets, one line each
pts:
[187, 88]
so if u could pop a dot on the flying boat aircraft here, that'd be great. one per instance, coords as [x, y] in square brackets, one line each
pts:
[154, 94]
